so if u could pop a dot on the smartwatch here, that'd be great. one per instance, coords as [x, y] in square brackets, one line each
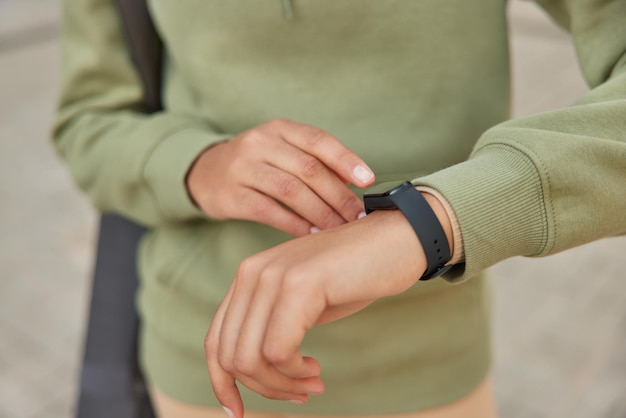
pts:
[420, 215]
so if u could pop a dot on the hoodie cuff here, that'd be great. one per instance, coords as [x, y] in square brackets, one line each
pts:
[498, 199]
[166, 170]
[458, 254]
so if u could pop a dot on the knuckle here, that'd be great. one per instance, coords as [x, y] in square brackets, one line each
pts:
[226, 363]
[247, 268]
[311, 167]
[252, 137]
[329, 218]
[245, 365]
[260, 209]
[277, 123]
[287, 186]
[275, 354]
[350, 204]
[314, 136]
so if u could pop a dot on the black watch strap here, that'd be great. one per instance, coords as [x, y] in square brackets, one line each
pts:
[423, 220]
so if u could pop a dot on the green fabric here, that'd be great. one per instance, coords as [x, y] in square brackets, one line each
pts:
[420, 90]
[385, 359]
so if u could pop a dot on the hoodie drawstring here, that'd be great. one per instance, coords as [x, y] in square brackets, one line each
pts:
[287, 9]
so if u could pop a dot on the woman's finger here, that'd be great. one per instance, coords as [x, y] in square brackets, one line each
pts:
[324, 182]
[249, 359]
[298, 397]
[328, 150]
[244, 287]
[252, 205]
[292, 192]
[224, 386]
[296, 310]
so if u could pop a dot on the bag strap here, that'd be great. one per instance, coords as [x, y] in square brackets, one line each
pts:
[111, 383]
[146, 49]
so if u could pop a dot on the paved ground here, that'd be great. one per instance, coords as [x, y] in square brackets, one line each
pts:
[561, 321]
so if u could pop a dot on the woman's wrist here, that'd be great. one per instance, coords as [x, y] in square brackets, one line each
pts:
[197, 173]
[447, 218]
[389, 227]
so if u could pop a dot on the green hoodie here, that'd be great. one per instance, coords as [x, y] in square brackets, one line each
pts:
[419, 90]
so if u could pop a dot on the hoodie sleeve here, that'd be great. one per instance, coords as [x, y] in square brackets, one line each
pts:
[127, 162]
[552, 181]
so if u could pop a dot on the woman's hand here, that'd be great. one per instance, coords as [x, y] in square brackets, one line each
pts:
[281, 164]
[279, 294]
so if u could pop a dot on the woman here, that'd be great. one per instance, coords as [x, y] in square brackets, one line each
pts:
[271, 109]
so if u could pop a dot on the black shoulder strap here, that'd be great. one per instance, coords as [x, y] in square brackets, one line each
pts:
[146, 49]
[111, 383]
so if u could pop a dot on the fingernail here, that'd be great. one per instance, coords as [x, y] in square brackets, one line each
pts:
[362, 174]
[228, 412]
[297, 402]
[361, 215]
[314, 229]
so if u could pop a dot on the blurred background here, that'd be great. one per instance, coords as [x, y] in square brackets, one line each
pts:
[560, 326]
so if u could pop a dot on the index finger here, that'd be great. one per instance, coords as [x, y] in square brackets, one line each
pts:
[223, 384]
[329, 150]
